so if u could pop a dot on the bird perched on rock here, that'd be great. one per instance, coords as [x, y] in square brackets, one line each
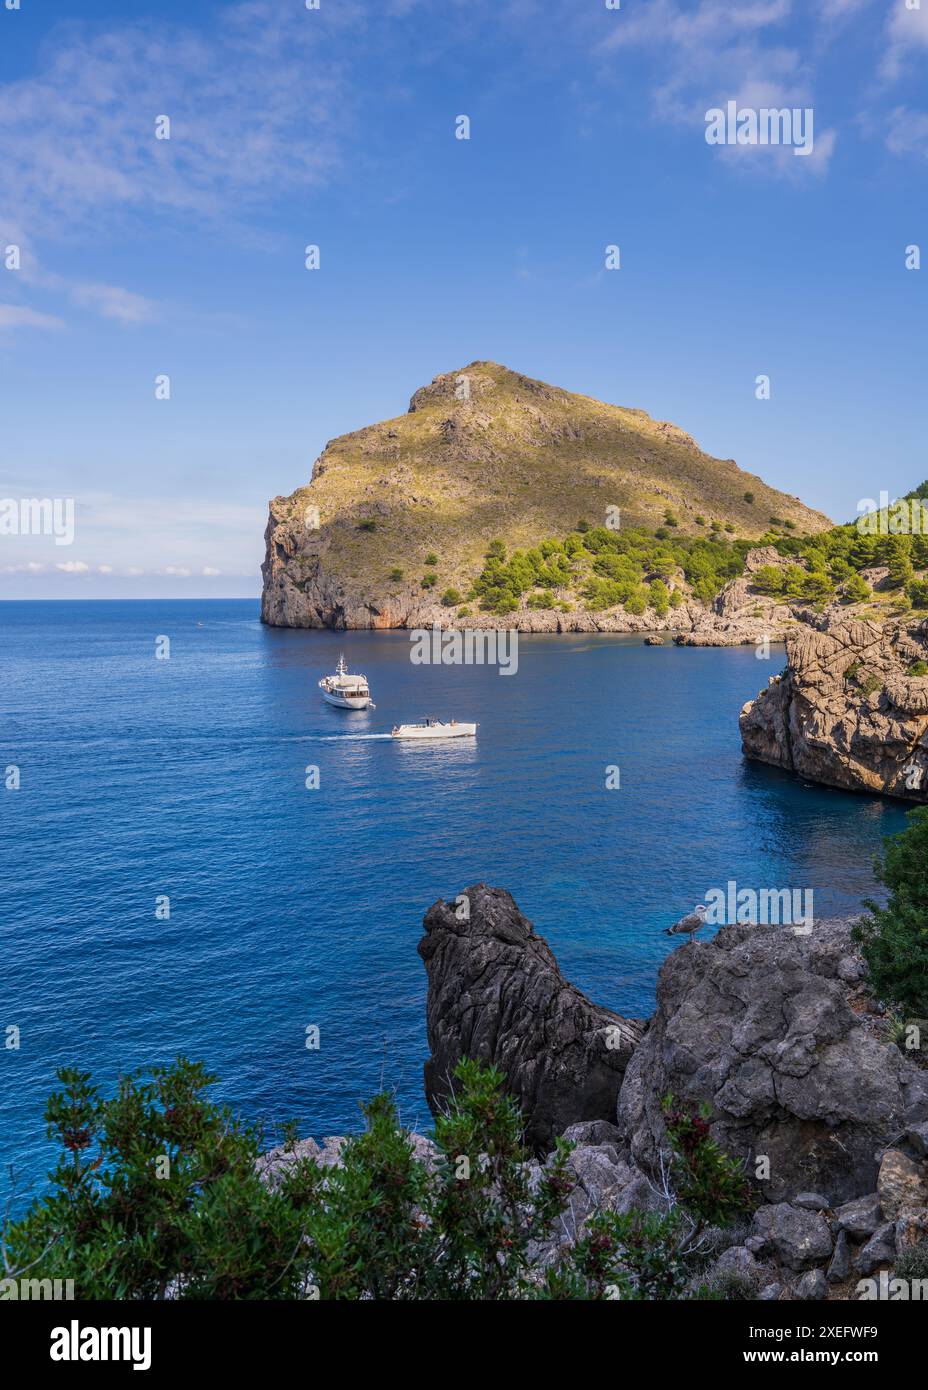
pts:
[690, 923]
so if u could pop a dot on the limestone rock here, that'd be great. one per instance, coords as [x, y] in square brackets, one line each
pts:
[846, 712]
[496, 993]
[800, 1238]
[812, 1286]
[860, 1217]
[880, 1249]
[756, 1022]
[900, 1184]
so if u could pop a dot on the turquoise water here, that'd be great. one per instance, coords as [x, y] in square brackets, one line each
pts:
[292, 907]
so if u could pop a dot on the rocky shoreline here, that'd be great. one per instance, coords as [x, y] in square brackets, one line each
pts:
[850, 710]
[772, 1030]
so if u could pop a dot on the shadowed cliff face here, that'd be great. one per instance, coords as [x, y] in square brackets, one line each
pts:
[496, 994]
[847, 711]
[483, 454]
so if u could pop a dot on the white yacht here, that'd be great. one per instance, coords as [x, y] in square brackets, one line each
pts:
[434, 728]
[346, 691]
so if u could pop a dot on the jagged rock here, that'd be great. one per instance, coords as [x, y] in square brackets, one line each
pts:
[273, 1166]
[602, 1179]
[594, 1132]
[800, 1238]
[737, 1260]
[845, 711]
[880, 1249]
[840, 1266]
[496, 993]
[901, 1184]
[812, 1286]
[756, 1023]
[811, 1201]
[860, 1217]
[769, 1293]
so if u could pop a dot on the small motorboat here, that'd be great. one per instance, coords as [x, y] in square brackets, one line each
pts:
[434, 728]
[346, 691]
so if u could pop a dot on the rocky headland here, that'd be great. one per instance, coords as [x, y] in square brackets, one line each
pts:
[851, 708]
[399, 513]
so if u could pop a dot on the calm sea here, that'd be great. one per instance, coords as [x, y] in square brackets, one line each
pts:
[290, 907]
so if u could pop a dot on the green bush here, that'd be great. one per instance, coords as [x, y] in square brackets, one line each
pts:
[450, 597]
[749, 498]
[431, 560]
[156, 1195]
[396, 575]
[368, 525]
[894, 938]
[918, 668]
[429, 580]
[856, 590]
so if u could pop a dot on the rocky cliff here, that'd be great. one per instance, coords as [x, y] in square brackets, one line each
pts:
[850, 710]
[496, 994]
[772, 1031]
[482, 454]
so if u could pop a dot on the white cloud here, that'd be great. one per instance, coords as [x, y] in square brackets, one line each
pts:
[908, 132]
[713, 52]
[20, 316]
[209, 571]
[73, 567]
[907, 37]
[114, 303]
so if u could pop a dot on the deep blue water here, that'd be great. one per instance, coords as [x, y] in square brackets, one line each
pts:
[292, 907]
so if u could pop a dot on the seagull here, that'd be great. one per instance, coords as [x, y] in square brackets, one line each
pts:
[690, 923]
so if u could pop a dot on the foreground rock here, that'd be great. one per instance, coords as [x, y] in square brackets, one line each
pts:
[496, 993]
[848, 710]
[756, 1022]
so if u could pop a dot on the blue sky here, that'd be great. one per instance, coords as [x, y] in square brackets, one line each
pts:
[336, 126]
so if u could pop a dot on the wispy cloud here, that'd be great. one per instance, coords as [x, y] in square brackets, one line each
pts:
[907, 39]
[712, 52]
[19, 316]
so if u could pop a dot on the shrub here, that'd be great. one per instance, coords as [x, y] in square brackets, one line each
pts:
[749, 498]
[894, 938]
[913, 1263]
[431, 560]
[396, 575]
[156, 1195]
[429, 580]
[918, 668]
[917, 591]
[450, 597]
[367, 525]
[856, 590]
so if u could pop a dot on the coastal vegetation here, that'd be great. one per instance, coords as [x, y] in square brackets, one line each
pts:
[894, 938]
[158, 1194]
